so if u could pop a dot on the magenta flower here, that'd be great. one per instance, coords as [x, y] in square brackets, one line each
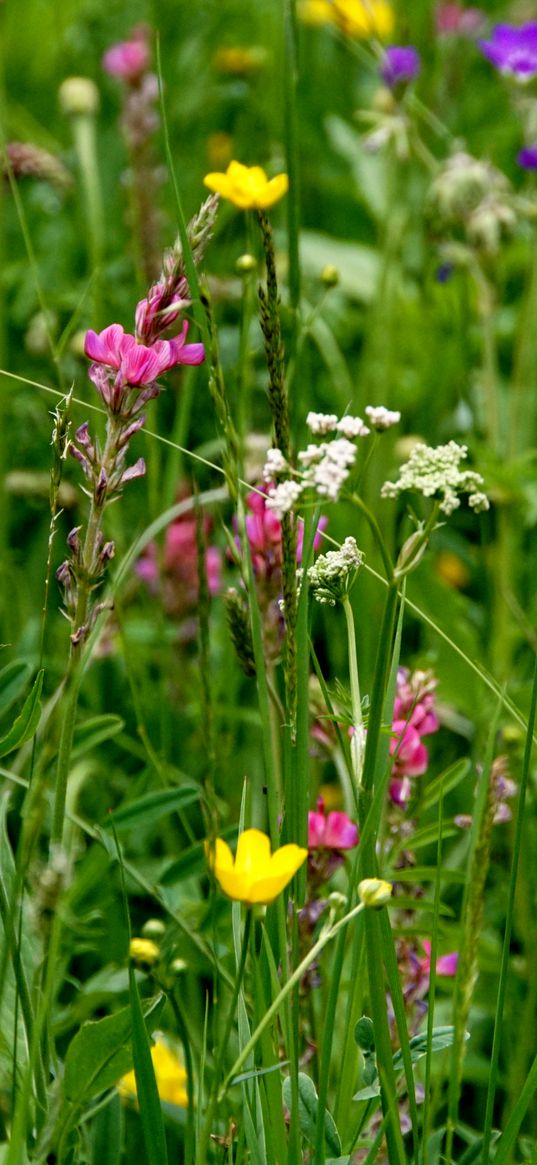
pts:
[128, 59]
[410, 755]
[180, 582]
[400, 64]
[264, 534]
[331, 831]
[135, 363]
[513, 50]
[445, 965]
[415, 700]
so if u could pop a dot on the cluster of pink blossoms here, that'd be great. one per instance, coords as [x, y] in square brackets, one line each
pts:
[414, 716]
[264, 534]
[175, 576]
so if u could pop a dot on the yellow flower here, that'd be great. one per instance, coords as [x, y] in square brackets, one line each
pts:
[144, 950]
[360, 18]
[169, 1074]
[254, 876]
[248, 186]
[374, 892]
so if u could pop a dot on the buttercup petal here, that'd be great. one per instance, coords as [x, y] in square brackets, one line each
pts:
[253, 854]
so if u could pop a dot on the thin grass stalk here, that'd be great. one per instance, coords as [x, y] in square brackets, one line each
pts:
[472, 917]
[427, 1106]
[269, 302]
[290, 81]
[83, 128]
[521, 423]
[383, 1048]
[506, 1143]
[396, 992]
[297, 789]
[346, 1077]
[204, 1140]
[190, 266]
[504, 965]
[182, 1027]
[204, 601]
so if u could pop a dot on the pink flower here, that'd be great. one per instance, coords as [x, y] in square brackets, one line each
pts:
[159, 309]
[452, 20]
[410, 755]
[445, 965]
[264, 534]
[135, 363]
[330, 831]
[128, 59]
[415, 700]
[180, 584]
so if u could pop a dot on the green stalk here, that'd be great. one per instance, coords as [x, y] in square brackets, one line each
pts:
[427, 1115]
[214, 1095]
[358, 737]
[190, 1140]
[290, 80]
[504, 966]
[326, 936]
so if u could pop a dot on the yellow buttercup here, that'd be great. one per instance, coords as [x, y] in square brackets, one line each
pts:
[255, 875]
[248, 186]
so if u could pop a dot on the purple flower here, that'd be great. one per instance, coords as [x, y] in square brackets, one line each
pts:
[400, 64]
[513, 49]
[528, 157]
[330, 831]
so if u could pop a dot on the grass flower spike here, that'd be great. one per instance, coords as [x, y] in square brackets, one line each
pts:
[248, 187]
[254, 876]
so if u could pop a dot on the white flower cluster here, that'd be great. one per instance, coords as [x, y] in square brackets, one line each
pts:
[281, 498]
[322, 423]
[437, 471]
[381, 418]
[274, 464]
[333, 574]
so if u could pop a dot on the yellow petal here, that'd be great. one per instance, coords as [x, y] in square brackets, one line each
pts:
[236, 886]
[253, 854]
[218, 183]
[287, 860]
[273, 191]
[220, 856]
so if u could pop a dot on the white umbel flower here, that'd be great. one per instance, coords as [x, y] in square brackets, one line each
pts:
[437, 471]
[381, 418]
[352, 427]
[274, 464]
[321, 423]
[333, 574]
[282, 497]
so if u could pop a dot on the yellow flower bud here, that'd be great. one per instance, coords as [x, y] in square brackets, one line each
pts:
[144, 951]
[374, 892]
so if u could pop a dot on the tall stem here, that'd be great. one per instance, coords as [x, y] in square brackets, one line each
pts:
[358, 735]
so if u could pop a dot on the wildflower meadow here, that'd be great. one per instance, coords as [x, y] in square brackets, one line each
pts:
[268, 511]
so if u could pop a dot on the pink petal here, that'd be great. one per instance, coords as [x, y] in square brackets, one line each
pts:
[447, 964]
[104, 347]
[340, 832]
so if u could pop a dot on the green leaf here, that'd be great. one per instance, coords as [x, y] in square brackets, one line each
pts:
[442, 1037]
[25, 725]
[94, 731]
[13, 680]
[146, 1084]
[150, 808]
[307, 1113]
[473, 1152]
[101, 1052]
[446, 781]
[106, 1133]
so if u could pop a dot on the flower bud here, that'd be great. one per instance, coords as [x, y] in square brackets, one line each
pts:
[374, 892]
[154, 928]
[329, 275]
[246, 264]
[79, 97]
[178, 966]
[144, 952]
